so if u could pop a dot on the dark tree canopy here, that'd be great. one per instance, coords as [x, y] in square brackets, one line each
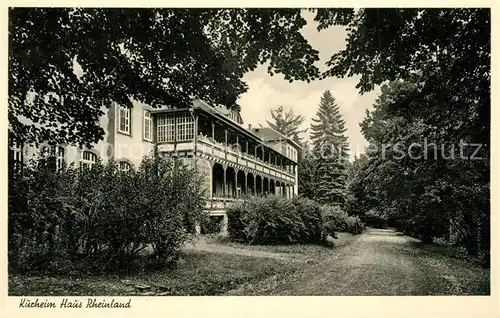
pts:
[449, 48]
[426, 189]
[157, 56]
[434, 68]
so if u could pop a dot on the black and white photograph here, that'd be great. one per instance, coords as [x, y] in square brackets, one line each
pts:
[247, 152]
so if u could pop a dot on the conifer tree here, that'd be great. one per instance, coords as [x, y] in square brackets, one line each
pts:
[330, 151]
[287, 123]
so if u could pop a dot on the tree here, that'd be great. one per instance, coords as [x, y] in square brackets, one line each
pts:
[358, 198]
[423, 189]
[330, 151]
[287, 123]
[448, 48]
[306, 175]
[437, 63]
[159, 56]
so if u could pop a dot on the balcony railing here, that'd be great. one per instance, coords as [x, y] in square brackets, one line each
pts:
[209, 146]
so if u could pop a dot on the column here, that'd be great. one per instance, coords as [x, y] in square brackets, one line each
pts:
[211, 190]
[246, 182]
[213, 138]
[225, 144]
[255, 184]
[236, 183]
[225, 182]
[195, 137]
[261, 184]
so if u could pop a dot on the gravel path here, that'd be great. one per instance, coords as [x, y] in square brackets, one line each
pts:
[380, 262]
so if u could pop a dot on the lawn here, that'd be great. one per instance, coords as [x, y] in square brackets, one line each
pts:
[198, 273]
[214, 269]
[301, 252]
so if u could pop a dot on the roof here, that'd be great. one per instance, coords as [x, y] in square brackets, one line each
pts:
[201, 104]
[270, 134]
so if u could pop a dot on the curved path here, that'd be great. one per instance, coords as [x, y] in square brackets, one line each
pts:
[380, 262]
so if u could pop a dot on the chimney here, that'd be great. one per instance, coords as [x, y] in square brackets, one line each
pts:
[249, 127]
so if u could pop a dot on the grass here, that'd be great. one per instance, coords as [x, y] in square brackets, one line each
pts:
[198, 273]
[307, 250]
[377, 263]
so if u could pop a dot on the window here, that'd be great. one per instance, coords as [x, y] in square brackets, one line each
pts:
[165, 128]
[148, 126]
[124, 120]
[59, 157]
[124, 166]
[58, 153]
[17, 153]
[88, 160]
[185, 127]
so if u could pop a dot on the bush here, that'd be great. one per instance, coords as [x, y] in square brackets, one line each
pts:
[100, 217]
[312, 218]
[278, 220]
[265, 220]
[337, 220]
[354, 225]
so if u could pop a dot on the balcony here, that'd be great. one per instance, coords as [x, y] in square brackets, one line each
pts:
[208, 146]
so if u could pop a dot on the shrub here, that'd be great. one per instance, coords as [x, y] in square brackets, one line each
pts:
[313, 220]
[100, 217]
[238, 216]
[278, 220]
[337, 220]
[354, 225]
[269, 220]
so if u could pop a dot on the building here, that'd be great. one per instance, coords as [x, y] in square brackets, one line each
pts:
[235, 161]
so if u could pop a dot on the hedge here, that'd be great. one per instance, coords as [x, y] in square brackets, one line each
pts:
[278, 220]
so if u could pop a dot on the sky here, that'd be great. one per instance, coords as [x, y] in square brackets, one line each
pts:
[268, 92]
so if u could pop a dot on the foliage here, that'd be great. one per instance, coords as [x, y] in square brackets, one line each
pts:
[266, 220]
[307, 169]
[329, 152]
[100, 218]
[427, 192]
[359, 199]
[389, 44]
[278, 220]
[287, 123]
[427, 97]
[337, 220]
[66, 65]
